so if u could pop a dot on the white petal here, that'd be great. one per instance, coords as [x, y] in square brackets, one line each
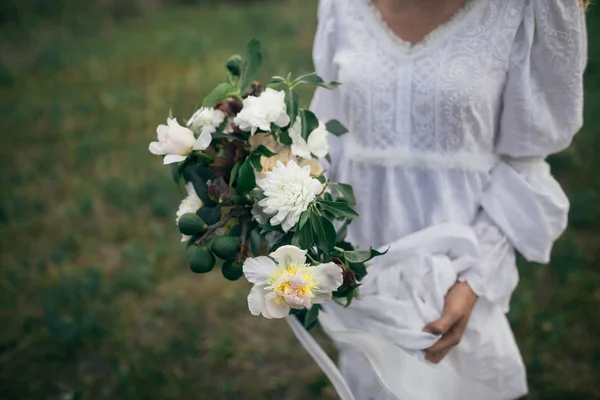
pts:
[155, 148]
[173, 158]
[317, 141]
[321, 298]
[161, 132]
[256, 300]
[328, 277]
[203, 141]
[258, 269]
[185, 238]
[289, 223]
[286, 255]
[301, 150]
[282, 120]
[277, 310]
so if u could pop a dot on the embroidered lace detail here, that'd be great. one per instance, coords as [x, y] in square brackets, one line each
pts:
[479, 84]
[430, 37]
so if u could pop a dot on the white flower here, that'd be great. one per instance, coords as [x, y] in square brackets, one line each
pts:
[260, 112]
[176, 142]
[288, 190]
[190, 204]
[206, 120]
[286, 281]
[316, 144]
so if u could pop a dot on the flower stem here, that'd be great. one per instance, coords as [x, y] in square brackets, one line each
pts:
[244, 236]
[211, 228]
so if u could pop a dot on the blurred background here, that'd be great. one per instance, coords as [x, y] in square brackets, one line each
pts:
[96, 299]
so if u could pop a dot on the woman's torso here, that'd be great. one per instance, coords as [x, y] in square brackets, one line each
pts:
[423, 119]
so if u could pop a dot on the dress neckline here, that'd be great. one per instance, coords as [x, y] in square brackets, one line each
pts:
[407, 48]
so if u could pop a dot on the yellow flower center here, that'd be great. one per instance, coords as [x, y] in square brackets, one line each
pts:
[292, 284]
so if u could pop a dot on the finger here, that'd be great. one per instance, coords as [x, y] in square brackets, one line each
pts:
[439, 356]
[447, 341]
[442, 325]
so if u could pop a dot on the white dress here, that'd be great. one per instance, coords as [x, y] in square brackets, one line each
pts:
[453, 130]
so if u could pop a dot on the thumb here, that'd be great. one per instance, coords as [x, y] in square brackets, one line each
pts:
[442, 325]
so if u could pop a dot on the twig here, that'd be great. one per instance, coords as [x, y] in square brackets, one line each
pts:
[244, 237]
[211, 228]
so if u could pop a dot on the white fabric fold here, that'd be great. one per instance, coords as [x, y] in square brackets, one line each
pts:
[530, 208]
[495, 276]
[403, 291]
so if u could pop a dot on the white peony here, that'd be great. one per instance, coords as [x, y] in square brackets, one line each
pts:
[190, 204]
[206, 120]
[176, 142]
[286, 281]
[288, 190]
[260, 112]
[316, 144]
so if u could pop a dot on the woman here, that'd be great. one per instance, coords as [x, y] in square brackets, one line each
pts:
[452, 107]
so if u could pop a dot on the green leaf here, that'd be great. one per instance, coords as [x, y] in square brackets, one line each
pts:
[312, 316]
[284, 138]
[303, 219]
[314, 79]
[343, 192]
[303, 237]
[206, 174]
[361, 256]
[255, 161]
[222, 92]
[210, 215]
[324, 232]
[330, 233]
[292, 101]
[336, 128]
[359, 269]
[175, 172]
[250, 65]
[264, 151]
[342, 232]
[255, 240]
[338, 208]
[246, 179]
[234, 173]
[192, 173]
[309, 123]
[275, 81]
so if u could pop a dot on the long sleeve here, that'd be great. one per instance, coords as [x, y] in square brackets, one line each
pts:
[524, 206]
[326, 103]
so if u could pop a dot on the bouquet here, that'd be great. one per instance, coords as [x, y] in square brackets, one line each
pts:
[259, 203]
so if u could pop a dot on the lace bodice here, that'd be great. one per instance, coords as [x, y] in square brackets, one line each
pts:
[463, 95]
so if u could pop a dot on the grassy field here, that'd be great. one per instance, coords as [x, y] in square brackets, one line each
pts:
[96, 300]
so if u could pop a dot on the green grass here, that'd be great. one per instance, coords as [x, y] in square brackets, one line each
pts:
[96, 300]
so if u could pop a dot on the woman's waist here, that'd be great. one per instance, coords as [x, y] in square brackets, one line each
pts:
[415, 157]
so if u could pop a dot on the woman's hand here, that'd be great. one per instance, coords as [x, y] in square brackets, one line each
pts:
[459, 303]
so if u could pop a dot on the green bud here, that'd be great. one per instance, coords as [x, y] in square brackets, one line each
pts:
[225, 247]
[191, 224]
[234, 64]
[202, 261]
[232, 270]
